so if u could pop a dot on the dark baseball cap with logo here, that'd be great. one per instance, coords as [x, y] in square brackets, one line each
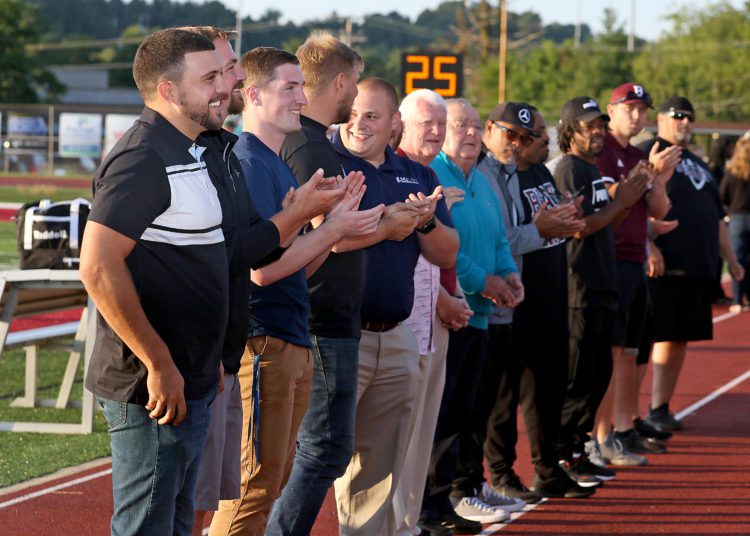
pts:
[677, 104]
[629, 93]
[518, 114]
[583, 109]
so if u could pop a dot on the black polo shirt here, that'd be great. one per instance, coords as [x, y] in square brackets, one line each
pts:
[154, 188]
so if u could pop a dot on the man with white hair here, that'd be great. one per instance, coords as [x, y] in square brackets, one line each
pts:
[435, 310]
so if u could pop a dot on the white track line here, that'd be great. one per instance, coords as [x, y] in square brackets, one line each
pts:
[53, 489]
[497, 527]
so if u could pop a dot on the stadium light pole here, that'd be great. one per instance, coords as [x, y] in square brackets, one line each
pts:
[238, 28]
[502, 51]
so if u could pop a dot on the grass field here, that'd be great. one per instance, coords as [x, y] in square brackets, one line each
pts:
[26, 455]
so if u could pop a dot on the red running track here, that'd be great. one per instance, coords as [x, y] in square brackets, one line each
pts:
[699, 487]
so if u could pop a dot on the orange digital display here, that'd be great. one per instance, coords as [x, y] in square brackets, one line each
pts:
[443, 73]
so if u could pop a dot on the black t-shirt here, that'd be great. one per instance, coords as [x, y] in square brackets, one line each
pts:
[592, 278]
[544, 309]
[692, 249]
[336, 287]
[154, 188]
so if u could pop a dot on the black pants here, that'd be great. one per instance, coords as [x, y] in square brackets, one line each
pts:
[467, 349]
[523, 369]
[589, 373]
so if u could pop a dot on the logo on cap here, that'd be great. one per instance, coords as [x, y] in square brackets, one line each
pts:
[638, 90]
[524, 116]
[590, 104]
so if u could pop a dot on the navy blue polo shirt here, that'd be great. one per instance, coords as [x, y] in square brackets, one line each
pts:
[389, 265]
[282, 309]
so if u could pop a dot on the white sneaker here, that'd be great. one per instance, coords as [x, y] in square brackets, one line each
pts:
[474, 509]
[498, 500]
[591, 447]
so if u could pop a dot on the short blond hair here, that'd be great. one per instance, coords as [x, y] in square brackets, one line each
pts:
[322, 57]
[211, 32]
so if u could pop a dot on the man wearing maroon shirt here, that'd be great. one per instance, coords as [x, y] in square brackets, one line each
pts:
[627, 109]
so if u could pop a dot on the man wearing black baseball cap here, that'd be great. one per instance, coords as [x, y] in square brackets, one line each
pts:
[682, 298]
[628, 108]
[592, 280]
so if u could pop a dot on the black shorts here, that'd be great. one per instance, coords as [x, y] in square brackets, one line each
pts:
[647, 340]
[631, 307]
[682, 308]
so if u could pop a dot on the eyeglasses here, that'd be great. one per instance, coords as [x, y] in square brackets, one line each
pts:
[514, 136]
[674, 114]
[644, 97]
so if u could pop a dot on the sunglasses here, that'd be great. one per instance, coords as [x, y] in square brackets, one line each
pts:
[645, 98]
[514, 136]
[674, 114]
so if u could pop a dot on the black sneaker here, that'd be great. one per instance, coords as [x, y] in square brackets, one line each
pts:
[635, 442]
[513, 487]
[646, 430]
[451, 521]
[583, 479]
[584, 465]
[562, 488]
[661, 419]
[433, 528]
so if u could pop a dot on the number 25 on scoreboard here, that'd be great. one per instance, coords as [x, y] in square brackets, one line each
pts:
[443, 73]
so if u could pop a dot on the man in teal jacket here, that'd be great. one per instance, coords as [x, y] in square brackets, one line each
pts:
[487, 275]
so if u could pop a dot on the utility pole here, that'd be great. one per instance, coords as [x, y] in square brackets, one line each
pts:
[631, 34]
[503, 46]
[238, 27]
[577, 34]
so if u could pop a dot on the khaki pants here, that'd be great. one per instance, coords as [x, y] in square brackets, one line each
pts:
[407, 502]
[386, 388]
[285, 381]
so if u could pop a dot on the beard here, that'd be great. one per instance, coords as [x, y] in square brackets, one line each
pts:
[199, 114]
[343, 111]
[236, 105]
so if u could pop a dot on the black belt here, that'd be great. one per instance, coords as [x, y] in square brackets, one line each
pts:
[379, 326]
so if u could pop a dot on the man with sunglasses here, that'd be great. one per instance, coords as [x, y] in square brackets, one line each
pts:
[628, 108]
[682, 297]
[514, 138]
[592, 280]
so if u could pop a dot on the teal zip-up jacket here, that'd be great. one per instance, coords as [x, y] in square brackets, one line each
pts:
[484, 246]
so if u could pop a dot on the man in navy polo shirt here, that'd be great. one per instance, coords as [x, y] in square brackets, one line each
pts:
[389, 354]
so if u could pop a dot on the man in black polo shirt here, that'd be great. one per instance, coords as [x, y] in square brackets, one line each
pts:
[389, 355]
[155, 262]
[592, 281]
[682, 297]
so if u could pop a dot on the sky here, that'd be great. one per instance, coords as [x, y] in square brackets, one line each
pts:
[649, 18]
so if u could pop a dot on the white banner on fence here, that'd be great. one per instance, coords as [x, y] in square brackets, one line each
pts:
[80, 135]
[115, 126]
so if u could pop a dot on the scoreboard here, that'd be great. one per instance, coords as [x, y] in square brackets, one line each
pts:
[443, 73]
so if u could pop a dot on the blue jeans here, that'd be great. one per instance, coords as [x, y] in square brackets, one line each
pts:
[325, 442]
[154, 467]
[739, 236]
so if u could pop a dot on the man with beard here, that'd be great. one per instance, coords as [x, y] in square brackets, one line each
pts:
[592, 280]
[325, 441]
[158, 272]
[517, 142]
[276, 366]
[628, 108]
[682, 297]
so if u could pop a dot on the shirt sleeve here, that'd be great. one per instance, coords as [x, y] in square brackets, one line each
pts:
[441, 210]
[264, 188]
[131, 192]
[504, 263]
[311, 157]
[471, 276]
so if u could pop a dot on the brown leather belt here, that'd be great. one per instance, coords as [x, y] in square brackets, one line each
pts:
[379, 326]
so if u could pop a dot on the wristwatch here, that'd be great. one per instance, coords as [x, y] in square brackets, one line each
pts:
[427, 227]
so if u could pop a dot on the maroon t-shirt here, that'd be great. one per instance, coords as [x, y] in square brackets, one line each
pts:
[631, 235]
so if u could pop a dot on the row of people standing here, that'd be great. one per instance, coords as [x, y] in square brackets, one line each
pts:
[396, 349]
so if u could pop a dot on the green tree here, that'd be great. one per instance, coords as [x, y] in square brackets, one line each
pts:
[22, 75]
[705, 57]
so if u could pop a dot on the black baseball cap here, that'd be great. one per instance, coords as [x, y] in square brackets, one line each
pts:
[583, 109]
[677, 104]
[518, 114]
